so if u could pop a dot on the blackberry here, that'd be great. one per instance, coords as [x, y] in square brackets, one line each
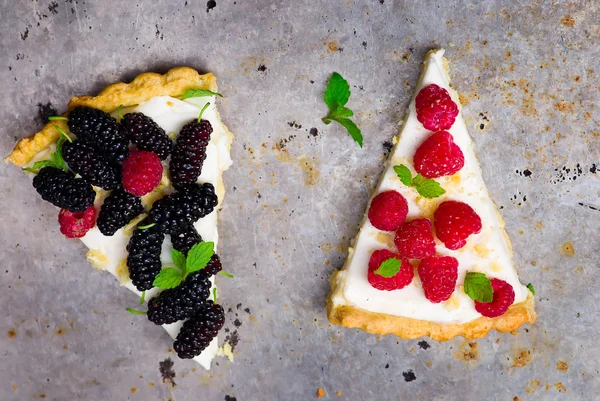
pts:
[63, 190]
[189, 152]
[198, 332]
[190, 203]
[100, 130]
[117, 210]
[146, 134]
[185, 238]
[143, 260]
[180, 302]
[91, 166]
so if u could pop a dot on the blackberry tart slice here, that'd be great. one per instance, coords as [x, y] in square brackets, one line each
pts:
[91, 174]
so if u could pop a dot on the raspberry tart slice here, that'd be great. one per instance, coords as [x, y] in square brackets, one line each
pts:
[107, 165]
[431, 212]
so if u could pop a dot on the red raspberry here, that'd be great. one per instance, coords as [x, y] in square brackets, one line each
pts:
[414, 239]
[76, 225]
[435, 108]
[438, 156]
[438, 275]
[504, 296]
[400, 280]
[454, 222]
[388, 211]
[142, 171]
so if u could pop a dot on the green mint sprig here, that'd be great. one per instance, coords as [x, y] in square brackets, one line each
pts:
[389, 268]
[336, 96]
[530, 288]
[426, 187]
[478, 287]
[56, 159]
[197, 259]
[198, 93]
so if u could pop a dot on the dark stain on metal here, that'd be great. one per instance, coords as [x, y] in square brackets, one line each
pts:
[167, 372]
[424, 344]
[210, 5]
[45, 111]
[409, 375]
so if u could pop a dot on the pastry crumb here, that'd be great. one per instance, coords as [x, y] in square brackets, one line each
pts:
[320, 392]
[339, 393]
[122, 272]
[97, 259]
[226, 351]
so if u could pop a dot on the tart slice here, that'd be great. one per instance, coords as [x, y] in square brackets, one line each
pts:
[432, 257]
[137, 175]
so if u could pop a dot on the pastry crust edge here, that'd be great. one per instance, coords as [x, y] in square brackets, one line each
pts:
[143, 87]
[409, 328]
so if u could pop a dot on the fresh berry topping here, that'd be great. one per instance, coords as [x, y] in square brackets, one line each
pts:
[435, 108]
[438, 156]
[185, 238]
[454, 222]
[198, 332]
[146, 134]
[414, 239]
[190, 203]
[142, 172]
[117, 210]
[76, 225]
[90, 165]
[504, 296]
[144, 249]
[101, 131]
[189, 152]
[400, 280]
[438, 275]
[388, 211]
[63, 190]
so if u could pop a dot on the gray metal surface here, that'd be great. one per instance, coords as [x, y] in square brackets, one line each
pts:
[530, 76]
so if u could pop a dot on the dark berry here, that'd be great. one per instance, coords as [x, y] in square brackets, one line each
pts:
[189, 152]
[101, 131]
[142, 172]
[90, 165]
[197, 333]
[185, 238]
[190, 203]
[146, 134]
[143, 260]
[63, 190]
[117, 210]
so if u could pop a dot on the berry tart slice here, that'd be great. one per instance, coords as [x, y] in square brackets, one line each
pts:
[137, 175]
[432, 257]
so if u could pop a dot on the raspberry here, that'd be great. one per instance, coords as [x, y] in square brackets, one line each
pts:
[438, 156]
[76, 225]
[388, 211]
[63, 190]
[435, 108]
[189, 204]
[118, 210]
[197, 333]
[99, 130]
[91, 166]
[189, 152]
[399, 281]
[504, 296]
[142, 172]
[143, 260]
[454, 222]
[414, 239]
[438, 275]
[146, 134]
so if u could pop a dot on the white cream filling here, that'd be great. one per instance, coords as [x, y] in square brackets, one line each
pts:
[487, 252]
[171, 114]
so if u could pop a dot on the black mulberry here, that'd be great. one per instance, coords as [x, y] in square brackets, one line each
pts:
[146, 134]
[189, 152]
[63, 190]
[185, 238]
[101, 131]
[91, 166]
[143, 260]
[197, 333]
[117, 210]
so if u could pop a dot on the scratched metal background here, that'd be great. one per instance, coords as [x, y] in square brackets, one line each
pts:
[529, 78]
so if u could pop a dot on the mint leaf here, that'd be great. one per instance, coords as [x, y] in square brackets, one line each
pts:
[389, 268]
[178, 259]
[353, 130]
[143, 297]
[429, 188]
[198, 93]
[215, 295]
[417, 180]
[57, 118]
[226, 274]
[404, 174]
[337, 92]
[168, 278]
[56, 159]
[343, 112]
[530, 288]
[478, 287]
[135, 311]
[199, 256]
